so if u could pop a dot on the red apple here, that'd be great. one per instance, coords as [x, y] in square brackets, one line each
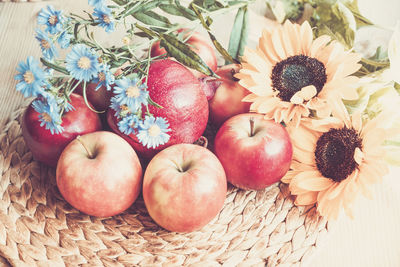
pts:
[184, 103]
[253, 157]
[99, 174]
[227, 100]
[100, 98]
[184, 187]
[199, 44]
[47, 147]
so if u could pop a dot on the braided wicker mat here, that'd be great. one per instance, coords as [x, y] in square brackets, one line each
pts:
[38, 228]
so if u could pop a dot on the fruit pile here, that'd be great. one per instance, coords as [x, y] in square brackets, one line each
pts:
[101, 170]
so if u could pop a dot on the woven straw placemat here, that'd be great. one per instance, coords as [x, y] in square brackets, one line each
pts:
[38, 228]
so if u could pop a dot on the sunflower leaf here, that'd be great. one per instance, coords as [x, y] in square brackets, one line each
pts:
[182, 52]
[239, 34]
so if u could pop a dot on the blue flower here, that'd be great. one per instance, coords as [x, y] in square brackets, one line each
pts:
[129, 124]
[104, 18]
[97, 3]
[120, 110]
[46, 44]
[32, 78]
[82, 63]
[53, 19]
[64, 39]
[104, 77]
[130, 93]
[49, 114]
[153, 132]
[63, 102]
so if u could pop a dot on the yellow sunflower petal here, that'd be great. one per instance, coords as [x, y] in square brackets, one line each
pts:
[307, 37]
[306, 198]
[250, 98]
[303, 138]
[312, 181]
[289, 176]
[318, 44]
[265, 45]
[277, 45]
[293, 34]
[356, 121]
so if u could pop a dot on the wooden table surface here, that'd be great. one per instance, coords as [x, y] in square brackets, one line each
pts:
[371, 239]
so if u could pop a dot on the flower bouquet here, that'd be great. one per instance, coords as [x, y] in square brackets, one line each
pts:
[303, 107]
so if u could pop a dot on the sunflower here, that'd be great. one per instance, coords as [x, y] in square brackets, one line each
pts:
[334, 160]
[290, 74]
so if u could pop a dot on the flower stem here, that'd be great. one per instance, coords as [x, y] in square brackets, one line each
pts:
[90, 155]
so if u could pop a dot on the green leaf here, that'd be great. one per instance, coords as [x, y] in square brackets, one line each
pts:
[146, 32]
[178, 10]
[152, 19]
[182, 52]
[210, 5]
[360, 19]
[54, 66]
[336, 20]
[143, 7]
[206, 25]
[286, 9]
[239, 34]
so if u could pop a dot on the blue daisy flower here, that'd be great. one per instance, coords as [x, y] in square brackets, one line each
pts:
[46, 44]
[120, 110]
[153, 132]
[104, 18]
[64, 39]
[32, 78]
[49, 114]
[104, 77]
[82, 63]
[97, 3]
[53, 19]
[130, 93]
[63, 103]
[129, 124]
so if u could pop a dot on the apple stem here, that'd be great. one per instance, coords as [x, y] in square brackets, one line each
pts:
[251, 126]
[83, 144]
[178, 166]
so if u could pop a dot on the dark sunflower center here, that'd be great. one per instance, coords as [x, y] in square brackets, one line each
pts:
[334, 153]
[292, 74]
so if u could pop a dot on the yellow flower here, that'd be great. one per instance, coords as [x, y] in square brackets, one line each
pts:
[334, 160]
[290, 74]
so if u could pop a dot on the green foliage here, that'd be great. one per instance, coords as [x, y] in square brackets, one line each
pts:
[336, 20]
[239, 34]
[181, 52]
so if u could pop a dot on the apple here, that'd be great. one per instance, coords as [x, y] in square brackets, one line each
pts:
[99, 174]
[199, 44]
[183, 102]
[227, 100]
[47, 147]
[255, 152]
[184, 187]
[100, 98]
